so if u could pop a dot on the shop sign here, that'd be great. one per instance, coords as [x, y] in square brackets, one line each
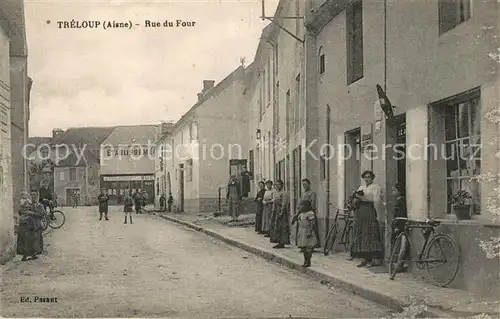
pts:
[366, 142]
[401, 130]
[130, 152]
[128, 178]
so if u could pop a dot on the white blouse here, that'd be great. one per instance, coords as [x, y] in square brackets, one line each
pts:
[372, 193]
[268, 197]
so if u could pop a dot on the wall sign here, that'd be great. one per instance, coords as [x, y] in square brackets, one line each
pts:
[130, 152]
[366, 141]
[126, 178]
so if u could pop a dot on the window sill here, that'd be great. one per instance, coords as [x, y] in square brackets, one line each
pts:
[469, 222]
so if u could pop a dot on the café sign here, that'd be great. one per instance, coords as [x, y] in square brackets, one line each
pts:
[128, 178]
[129, 152]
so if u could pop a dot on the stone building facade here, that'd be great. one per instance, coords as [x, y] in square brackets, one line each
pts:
[14, 116]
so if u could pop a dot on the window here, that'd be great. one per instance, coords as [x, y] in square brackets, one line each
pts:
[297, 117]
[4, 120]
[287, 173]
[277, 110]
[72, 174]
[463, 153]
[297, 14]
[297, 180]
[288, 114]
[189, 170]
[269, 84]
[354, 41]
[61, 176]
[193, 131]
[452, 13]
[261, 103]
[321, 61]
[251, 164]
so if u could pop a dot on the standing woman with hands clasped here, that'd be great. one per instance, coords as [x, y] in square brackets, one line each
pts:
[366, 238]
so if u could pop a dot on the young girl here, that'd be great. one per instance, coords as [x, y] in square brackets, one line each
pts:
[306, 235]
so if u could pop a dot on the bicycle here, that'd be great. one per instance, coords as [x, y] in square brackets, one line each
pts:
[331, 238]
[52, 218]
[424, 260]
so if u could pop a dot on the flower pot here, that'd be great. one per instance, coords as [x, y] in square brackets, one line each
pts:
[462, 212]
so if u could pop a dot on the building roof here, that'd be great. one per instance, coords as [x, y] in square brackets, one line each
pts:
[134, 134]
[216, 90]
[39, 140]
[92, 137]
[74, 161]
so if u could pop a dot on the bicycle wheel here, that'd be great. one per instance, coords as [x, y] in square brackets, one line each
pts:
[397, 254]
[347, 239]
[57, 220]
[442, 250]
[330, 240]
[44, 223]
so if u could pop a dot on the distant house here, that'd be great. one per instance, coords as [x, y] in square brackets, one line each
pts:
[76, 173]
[128, 161]
[75, 153]
[39, 164]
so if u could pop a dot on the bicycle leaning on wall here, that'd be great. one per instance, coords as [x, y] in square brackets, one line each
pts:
[439, 256]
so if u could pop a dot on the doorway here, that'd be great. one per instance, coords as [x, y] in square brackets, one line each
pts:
[401, 149]
[69, 195]
[352, 162]
[180, 201]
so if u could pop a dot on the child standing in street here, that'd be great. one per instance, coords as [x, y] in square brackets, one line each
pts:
[306, 235]
[103, 199]
[128, 206]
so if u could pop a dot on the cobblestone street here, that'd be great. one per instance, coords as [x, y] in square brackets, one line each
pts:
[154, 268]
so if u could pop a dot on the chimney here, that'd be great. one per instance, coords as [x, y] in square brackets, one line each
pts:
[57, 132]
[207, 85]
[200, 97]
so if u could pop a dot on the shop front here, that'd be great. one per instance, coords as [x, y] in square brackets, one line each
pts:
[118, 185]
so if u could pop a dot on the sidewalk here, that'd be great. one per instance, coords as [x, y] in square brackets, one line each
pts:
[339, 273]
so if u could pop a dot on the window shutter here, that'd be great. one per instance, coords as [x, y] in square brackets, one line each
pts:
[358, 40]
[449, 15]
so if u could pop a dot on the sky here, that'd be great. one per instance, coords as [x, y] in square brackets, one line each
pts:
[97, 77]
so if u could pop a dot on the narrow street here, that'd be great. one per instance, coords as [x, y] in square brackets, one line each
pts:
[153, 268]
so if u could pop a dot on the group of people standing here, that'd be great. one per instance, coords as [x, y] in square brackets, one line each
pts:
[137, 199]
[274, 220]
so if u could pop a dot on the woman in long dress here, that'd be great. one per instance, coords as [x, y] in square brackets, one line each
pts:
[268, 208]
[280, 233]
[366, 238]
[259, 207]
[29, 234]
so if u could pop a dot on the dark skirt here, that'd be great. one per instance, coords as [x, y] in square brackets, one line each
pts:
[272, 229]
[280, 229]
[366, 242]
[258, 216]
[29, 242]
[103, 208]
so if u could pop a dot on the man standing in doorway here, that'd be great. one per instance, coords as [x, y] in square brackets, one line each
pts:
[309, 195]
[245, 177]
